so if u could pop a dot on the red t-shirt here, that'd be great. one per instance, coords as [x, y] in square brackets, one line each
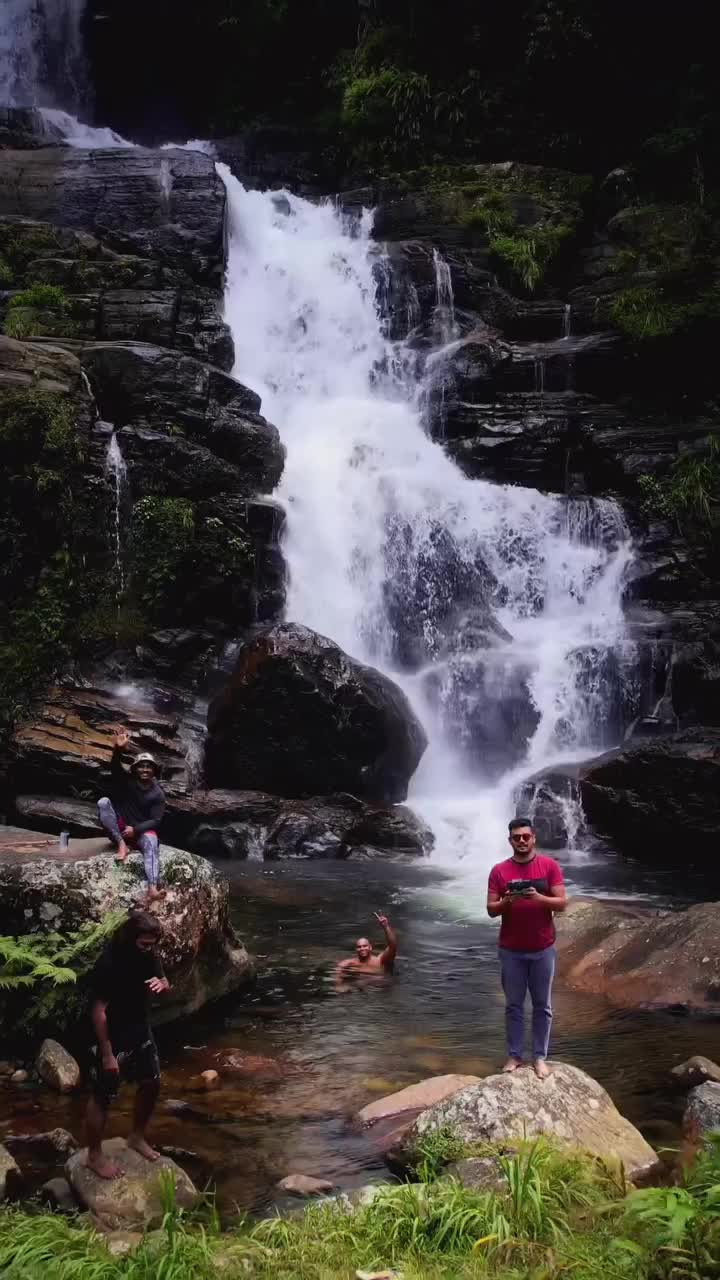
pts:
[528, 925]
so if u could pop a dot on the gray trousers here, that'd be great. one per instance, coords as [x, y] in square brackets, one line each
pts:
[524, 971]
[147, 843]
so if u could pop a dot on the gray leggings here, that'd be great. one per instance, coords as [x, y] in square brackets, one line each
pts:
[147, 843]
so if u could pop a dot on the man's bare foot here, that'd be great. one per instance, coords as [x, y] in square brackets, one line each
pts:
[143, 1148]
[103, 1167]
[121, 852]
[512, 1064]
[153, 894]
[541, 1068]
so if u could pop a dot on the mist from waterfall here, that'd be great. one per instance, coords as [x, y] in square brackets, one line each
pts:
[41, 53]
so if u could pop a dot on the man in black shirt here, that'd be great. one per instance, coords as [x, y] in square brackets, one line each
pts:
[134, 810]
[123, 978]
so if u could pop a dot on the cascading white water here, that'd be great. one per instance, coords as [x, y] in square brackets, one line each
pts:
[396, 555]
[117, 473]
[41, 54]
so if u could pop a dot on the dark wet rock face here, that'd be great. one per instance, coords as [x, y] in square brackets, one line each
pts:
[299, 717]
[656, 796]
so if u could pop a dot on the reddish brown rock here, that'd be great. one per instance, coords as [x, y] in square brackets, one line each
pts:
[639, 957]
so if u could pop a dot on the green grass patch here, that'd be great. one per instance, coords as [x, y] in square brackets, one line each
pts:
[563, 1215]
[43, 309]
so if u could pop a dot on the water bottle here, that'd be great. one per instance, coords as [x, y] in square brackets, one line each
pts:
[64, 839]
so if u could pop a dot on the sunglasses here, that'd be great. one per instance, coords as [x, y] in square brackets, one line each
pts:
[521, 839]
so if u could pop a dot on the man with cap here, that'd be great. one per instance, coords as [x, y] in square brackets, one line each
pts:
[133, 812]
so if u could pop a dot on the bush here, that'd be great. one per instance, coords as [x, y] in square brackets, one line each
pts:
[689, 494]
[41, 309]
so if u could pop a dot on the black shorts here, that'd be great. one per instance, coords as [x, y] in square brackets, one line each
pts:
[137, 1059]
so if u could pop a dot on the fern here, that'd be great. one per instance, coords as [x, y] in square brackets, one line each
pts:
[47, 964]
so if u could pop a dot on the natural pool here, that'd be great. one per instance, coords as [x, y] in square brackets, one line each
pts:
[333, 1052]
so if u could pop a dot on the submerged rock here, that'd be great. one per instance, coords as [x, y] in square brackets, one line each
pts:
[133, 1199]
[569, 1107]
[697, 1070]
[42, 1148]
[302, 1184]
[639, 957]
[43, 888]
[300, 717]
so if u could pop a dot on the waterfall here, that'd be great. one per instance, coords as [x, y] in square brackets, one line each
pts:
[444, 322]
[117, 474]
[567, 321]
[41, 53]
[498, 609]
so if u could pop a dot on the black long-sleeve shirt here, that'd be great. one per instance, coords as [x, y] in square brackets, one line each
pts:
[140, 807]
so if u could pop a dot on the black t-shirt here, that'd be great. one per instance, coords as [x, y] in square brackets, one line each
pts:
[119, 977]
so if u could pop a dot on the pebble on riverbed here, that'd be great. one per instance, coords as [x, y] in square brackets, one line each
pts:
[19, 1076]
[209, 1079]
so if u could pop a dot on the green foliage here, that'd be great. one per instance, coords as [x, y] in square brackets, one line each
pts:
[46, 964]
[644, 312]
[563, 1215]
[182, 556]
[40, 309]
[528, 248]
[387, 110]
[436, 1148]
[6, 273]
[47, 528]
[689, 494]
[680, 1226]
[163, 530]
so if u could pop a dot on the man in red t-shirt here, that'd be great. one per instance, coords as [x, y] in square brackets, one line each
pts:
[524, 891]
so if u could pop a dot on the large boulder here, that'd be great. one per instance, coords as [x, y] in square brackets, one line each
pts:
[135, 1198]
[569, 1107]
[642, 958]
[654, 796]
[46, 889]
[299, 717]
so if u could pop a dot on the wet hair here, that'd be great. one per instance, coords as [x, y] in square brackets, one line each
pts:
[138, 923]
[519, 822]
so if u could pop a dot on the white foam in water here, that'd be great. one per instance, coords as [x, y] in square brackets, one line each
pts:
[84, 136]
[374, 505]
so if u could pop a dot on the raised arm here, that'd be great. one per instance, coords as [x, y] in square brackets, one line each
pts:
[387, 956]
